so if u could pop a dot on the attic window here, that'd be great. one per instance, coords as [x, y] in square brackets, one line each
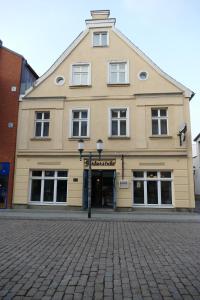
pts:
[100, 39]
[59, 80]
[143, 75]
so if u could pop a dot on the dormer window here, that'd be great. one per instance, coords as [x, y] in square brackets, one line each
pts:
[100, 39]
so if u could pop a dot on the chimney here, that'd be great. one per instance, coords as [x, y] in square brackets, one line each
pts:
[100, 19]
[100, 14]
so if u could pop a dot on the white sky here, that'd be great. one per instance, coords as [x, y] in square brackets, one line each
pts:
[168, 31]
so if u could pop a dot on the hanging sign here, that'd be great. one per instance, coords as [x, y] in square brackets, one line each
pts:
[100, 162]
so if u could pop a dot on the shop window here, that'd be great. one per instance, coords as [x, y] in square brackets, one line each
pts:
[152, 188]
[48, 186]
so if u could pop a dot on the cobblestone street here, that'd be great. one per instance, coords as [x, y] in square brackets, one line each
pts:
[63, 259]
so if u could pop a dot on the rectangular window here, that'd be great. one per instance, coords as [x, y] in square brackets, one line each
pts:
[118, 73]
[159, 121]
[79, 123]
[119, 122]
[42, 123]
[48, 186]
[81, 74]
[152, 188]
[100, 39]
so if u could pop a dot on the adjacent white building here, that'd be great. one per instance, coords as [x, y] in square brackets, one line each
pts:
[196, 165]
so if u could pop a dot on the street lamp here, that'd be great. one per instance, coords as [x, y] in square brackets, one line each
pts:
[89, 156]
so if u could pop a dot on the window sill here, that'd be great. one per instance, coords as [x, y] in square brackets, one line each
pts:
[119, 137]
[160, 136]
[100, 46]
[76, 86]
[79, 138]
[117, 84]
[40, 139]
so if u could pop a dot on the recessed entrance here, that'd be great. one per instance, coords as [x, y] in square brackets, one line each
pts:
[103, 189]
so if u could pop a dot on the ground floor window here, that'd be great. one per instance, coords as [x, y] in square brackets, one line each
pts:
[152, 187]
[48, 186]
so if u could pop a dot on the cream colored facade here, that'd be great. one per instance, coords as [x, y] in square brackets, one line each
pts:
[142, 150]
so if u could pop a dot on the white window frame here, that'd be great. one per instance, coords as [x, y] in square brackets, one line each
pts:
[89, 74]
[100, 33]
[78, 109]
[158, 179]
[42, 121]
[55, 178]
[159, 118]
[126, 72]
[110, 122]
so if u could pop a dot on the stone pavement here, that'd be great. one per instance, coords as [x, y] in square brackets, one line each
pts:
[98, 259]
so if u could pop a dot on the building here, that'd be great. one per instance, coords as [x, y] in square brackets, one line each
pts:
[196, 166]
[16, 76]
[104, 87]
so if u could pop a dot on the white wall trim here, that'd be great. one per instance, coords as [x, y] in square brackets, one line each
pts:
[187, 92]
[59, 60]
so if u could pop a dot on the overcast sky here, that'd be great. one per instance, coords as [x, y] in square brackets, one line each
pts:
[168, 31]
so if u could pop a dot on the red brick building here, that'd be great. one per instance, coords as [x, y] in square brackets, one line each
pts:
[16, 76]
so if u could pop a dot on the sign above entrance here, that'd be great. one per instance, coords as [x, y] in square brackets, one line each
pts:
[101, 162]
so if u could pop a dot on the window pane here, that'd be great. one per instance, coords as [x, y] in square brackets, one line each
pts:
[76, 69]
[75, 128]
[75, 114]
[35, 189]
[122, 127]
[38, 115]
[76, 79]
[84, 114]
[123, 113]
[122, 77]
[163, 112]
[83, 128]
[37, 173]
[61, 191]
[166, 192]
[46, 115]
[62, 173]
[49, 173]
[138, 174]
[104, 39]
[122, 66]
[46, 129]
[38, 128]
[96, 39]
[114, 113]
[152, 192]
[113, 77]
[84, 78]
[152, 174]
[163, 126]
[154, 112]
[114, 128]
[165, 174]
[154, 126]
[113, 67]
[84, 68]
[138, 192]
[48, 190]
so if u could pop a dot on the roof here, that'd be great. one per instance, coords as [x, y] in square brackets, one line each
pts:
[197, 137]
[187, 92]
[17, 54]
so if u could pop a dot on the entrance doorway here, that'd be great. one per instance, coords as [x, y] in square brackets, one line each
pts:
[4, 174]
[103, 189]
